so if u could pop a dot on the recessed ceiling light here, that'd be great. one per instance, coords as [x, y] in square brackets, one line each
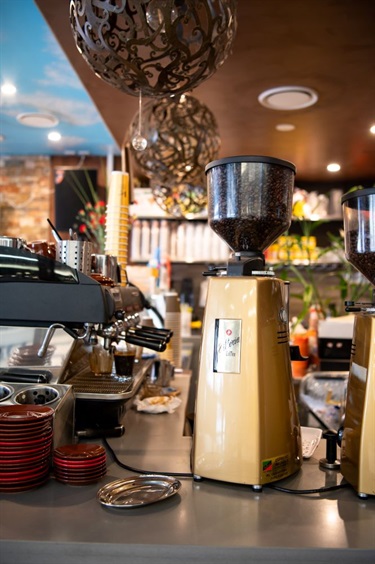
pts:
[37, 120]
[372, 129]
[8, 89]
[285, 127]
[333, 167]
[54, 136]
[288, 98]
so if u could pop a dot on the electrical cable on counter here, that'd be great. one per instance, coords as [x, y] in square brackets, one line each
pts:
[311, 491]
[137, 470]
[189, 475]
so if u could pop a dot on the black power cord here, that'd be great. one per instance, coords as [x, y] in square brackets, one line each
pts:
[311, 491]
[189, 475]
[137, 470]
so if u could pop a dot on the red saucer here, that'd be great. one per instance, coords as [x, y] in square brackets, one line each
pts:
[14, 414]
[81, 451]
[74, 465]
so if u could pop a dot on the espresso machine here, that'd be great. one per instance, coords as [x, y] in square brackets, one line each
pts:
[40, 292]
[246, 427]
[358, 434]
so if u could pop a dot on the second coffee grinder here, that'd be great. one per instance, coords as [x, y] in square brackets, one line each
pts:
[246, 428]
[358, 435]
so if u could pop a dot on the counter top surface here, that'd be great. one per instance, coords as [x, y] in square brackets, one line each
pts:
[206, 521]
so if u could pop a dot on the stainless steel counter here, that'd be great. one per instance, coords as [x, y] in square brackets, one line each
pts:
[205, 522]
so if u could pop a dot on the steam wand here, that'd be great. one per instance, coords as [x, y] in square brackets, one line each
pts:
[50, 332]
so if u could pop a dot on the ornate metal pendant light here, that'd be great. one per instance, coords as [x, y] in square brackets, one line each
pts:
[158, 47]
[181, 137]
[183, 200]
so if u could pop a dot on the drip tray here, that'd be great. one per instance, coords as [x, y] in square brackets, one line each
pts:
[105, 384]
[87, 385]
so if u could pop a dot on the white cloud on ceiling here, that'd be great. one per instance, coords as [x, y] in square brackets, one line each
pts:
[59, 72]
[71, 112]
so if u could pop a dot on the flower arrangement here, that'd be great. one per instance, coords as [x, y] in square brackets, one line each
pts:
[91, 223]
[90, 219]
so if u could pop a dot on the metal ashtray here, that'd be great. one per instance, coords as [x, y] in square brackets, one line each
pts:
[137, 491]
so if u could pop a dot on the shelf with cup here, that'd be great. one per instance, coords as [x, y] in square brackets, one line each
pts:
[156, 234]
[194, 241]
[179, 240]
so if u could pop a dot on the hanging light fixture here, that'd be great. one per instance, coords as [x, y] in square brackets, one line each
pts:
[157, 47]
[181, 137]
[183, 200]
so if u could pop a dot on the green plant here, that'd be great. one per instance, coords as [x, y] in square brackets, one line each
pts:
[345, 280]
[352, 285]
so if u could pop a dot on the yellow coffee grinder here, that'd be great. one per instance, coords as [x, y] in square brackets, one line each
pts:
[246, 427]
[358, 435]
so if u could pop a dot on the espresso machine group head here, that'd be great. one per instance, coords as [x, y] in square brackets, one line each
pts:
[358, 436]
[246, 426]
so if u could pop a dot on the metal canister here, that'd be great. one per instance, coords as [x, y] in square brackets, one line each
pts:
[76, 254]
[105, 265]
[13, 242]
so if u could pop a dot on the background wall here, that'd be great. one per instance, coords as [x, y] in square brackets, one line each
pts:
[26, 197]
[27, 193]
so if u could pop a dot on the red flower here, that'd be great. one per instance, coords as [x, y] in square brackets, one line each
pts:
[82, 228]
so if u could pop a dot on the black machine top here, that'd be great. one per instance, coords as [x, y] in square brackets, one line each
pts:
[26, 266]
[250, 159]
[357, 194]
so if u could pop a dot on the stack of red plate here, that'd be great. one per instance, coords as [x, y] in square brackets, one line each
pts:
[28, 356]
[26, 433]
[79, 464]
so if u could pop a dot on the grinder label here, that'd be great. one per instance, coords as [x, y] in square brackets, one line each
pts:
[227, 345]
[275, 468]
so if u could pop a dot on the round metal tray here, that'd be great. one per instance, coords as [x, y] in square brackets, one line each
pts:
[137, 491]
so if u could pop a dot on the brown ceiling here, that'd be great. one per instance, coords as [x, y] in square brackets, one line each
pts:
[327, 45]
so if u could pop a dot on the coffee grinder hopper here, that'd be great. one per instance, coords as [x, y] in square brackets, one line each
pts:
[359, 227]
[249, 205]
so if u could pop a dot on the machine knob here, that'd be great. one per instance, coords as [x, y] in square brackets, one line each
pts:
[330, 462]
